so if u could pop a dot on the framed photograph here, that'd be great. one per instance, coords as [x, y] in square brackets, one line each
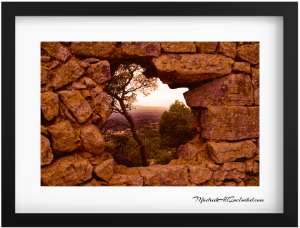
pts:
[150, 114]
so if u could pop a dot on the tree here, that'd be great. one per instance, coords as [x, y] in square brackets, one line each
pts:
[123, 89]
[174, 124]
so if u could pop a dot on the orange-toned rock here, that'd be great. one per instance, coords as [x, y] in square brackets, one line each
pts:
[78, 86]
[56, 50]
[140, 49]
[125, 180]
[92, 139]
[64, 138]
[189, 68]
[99, 72]
[198, 174]
[227, 48]
[233, 90]
[89, 82]
[230, 170]
[256, 96]
[101, 106]
[164, 175]
[49, 105]
[252, 164]
[67, 73]
[66, 171]
[190, 150]
[230, 123]
[46, 152]
[206, 47]
[255, 77]
[45, 58]
[223, 152]
[178, 47]
[249, 53]
[76, 104]
[44, 130]
[93, 49]
[44, 75]
[93, 182]
[105, 170]
[242, 66]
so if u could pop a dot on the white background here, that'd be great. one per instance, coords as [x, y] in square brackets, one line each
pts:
[31, 198]
[217, 0]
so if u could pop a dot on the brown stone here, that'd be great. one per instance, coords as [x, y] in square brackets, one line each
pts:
[78, 85]
[44, 75]
[99, 72]
[49, 105]
[233, 90]
[252, 164]
[178, 47]
[230, 170]
[100, 103]
[86, 93]
[206, 47]
[242, 66]
[190, 68]
[93, 182]
[227, 49]
[56, 50]
[92, 139]
[89, 82]
[76, 104]
[256, 96]
[223, 152]
[93, 49]
[54, 65]
[140, 49]
[162, 175]
[44, 130]
[230, 183]
[45, 58]
[46, 151]
[255, 77]
[105, 170]
[198, 174]
[190, 150]
[67, 73]
[249, 53]
[125, 180]
[64, 138]
[230, 123]
[66, 171]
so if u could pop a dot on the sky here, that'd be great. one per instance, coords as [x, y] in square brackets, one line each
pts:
[162, 97]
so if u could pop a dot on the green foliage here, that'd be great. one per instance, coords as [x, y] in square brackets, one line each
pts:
[154, 148]
[173, 125]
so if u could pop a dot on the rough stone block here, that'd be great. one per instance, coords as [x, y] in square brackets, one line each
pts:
[190, 68]
[178, 47]
[99, 72]
[92, 139]
[242, 66]
[206, 47]
[46, 151]
[161, 175]
[66, 171]
[64, 138]
[140, 49]
[227, 49]
[49, 105]
[230, 170]
[223, 152]
[233, 90]
[93, 49]
[249, 53]
[67, 73]
[230, 123]
[76, 104]
[199, 174]
[56, 50]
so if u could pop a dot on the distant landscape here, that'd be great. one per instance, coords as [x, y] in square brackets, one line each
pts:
[144, 117]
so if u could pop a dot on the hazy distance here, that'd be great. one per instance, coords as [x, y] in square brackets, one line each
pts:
[162, 97]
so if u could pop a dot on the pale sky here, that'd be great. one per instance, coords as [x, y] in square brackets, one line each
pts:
[163, 96]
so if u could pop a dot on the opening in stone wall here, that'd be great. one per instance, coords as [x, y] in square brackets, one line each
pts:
[94, 131]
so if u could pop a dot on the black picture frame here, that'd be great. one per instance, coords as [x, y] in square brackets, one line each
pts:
[288, 10]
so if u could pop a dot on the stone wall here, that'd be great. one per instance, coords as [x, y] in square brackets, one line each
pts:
[223, 82]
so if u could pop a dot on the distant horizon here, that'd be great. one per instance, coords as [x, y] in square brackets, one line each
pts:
[162, 97]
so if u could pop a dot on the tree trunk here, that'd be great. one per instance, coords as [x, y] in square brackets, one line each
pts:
[134, 133]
